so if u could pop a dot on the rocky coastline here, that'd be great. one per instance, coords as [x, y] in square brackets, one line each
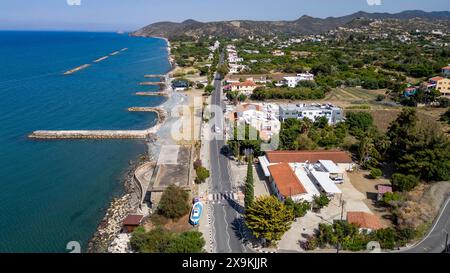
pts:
[119, 208]
[109, 229]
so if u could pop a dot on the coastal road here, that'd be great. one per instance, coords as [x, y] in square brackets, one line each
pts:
[227, 226]
[434, 241]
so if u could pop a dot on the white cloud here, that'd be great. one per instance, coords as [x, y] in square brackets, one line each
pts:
[374, 2]
[73, 2]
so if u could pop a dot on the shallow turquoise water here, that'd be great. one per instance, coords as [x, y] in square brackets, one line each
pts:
[57, 191]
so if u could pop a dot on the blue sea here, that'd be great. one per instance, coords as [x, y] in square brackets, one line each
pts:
[53, 192]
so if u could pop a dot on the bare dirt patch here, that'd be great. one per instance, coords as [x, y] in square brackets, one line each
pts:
[423, 205]
[368, 187]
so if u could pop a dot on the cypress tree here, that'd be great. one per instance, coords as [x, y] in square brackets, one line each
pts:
[249, 185]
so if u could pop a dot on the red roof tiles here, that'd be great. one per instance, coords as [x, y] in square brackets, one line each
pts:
[311, 156]
[287, 182]
[363, 220]
[246, 83]
[133, 220]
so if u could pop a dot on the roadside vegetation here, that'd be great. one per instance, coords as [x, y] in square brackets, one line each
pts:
[160, 240]
[268, 219]
[174, 202]
[249, 184]
[347, 236]
[202, 172]
[161, 236]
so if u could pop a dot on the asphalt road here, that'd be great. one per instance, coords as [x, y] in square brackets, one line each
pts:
[434, 241]
[226, 219]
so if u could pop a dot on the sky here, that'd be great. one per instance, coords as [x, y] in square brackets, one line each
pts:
[128, 15]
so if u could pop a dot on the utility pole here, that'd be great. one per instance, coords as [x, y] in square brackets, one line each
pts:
[446, 244]
[342, 209]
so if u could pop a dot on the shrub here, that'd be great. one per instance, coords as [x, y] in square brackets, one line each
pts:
[380, 97]
[299, 209]
[209, 89]
[174, 202]
[321, 201]
[375, 173]
[202, 175]
[390, 198]
[186, 242]
[160, 240]
[403, 182]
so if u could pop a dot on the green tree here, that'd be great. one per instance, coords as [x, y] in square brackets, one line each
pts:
[375, 173]
[386, 237]
[268, 218]
[186, 242]
[154, 241]
[233, 96]
[321, 201]
[242, 97]
[174, 202]
[419, 147]
[249, 184]
[400, 132]
[359, 122]
[223, 70]
[160, 240]
[403, 182]
[209, 89]
[202, 174]
[299, 209]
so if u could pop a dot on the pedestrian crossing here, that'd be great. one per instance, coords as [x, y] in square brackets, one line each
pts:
[217, 197]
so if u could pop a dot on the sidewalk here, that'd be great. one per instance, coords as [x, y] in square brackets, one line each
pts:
[205, 225]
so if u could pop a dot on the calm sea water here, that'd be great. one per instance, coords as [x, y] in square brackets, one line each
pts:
[57, 191]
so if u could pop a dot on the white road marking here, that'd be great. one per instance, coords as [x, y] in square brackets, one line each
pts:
[226, 228]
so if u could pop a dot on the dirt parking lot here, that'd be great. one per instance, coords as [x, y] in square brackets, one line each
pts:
[368, 187]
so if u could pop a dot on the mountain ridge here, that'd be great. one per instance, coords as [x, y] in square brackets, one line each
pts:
[303, 25]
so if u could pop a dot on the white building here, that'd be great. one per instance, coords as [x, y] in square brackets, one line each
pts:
[294, 80]
[236, 68]
[295, 174]
[261, 117]
[265, 123]
[313, 112]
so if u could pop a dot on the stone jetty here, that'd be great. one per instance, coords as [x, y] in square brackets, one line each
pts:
[92, 134]
[101, 59]
[156, 76]
[105, 134]
[164, 94]
[153, 83]
[76, 69]
[161, 113]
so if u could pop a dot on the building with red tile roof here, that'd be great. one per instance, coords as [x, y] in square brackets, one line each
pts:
[246, 87]
[286, 182]
[131, 222]
[310, 156]
[364, 220]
